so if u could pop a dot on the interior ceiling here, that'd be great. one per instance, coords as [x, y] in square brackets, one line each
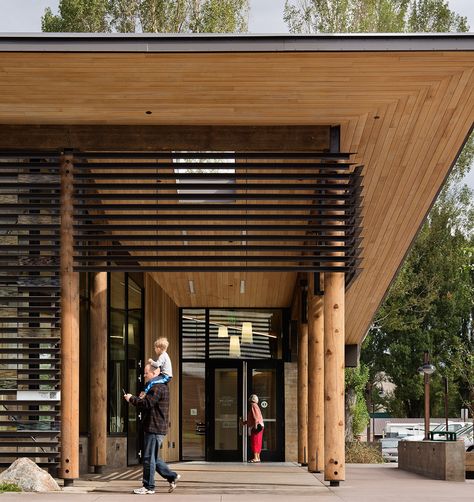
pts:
[406, 115]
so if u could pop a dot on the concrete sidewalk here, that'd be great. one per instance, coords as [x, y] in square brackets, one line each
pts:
[267, 482]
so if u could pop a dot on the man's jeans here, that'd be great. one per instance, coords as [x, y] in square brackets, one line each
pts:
[152, 461]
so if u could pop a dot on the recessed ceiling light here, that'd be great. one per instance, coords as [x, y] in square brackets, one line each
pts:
[242, 287]
[191, 287]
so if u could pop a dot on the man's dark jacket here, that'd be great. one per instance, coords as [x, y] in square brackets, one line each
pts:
[155, 409]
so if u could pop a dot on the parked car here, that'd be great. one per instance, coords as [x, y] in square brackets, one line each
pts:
[452, 427]
[390, 449]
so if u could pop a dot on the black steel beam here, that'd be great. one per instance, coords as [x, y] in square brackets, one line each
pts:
[348, 205]
[190, 248]
[197, 228]
[224, 197]
[206, 237]
[180, 268]
[211, 155]
[225, 187]
[216, 258]
[213, 176]
[207, 217]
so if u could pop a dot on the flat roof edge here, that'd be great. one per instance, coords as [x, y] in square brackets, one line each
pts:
[139, 42]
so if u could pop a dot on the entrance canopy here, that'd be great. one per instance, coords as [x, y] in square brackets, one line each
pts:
[404, 106]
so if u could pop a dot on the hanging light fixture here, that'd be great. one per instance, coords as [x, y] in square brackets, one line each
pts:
[247, 334]
[234, 347]
[222, 332]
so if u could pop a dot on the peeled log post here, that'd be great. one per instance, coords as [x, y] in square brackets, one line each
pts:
[316, 418]
[334, 444]
[69, 467]
[302, 392]
[98, 371]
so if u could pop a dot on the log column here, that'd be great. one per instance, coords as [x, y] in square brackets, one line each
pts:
[69, 280]
[316, 417]
[98, 372]
[334, 339]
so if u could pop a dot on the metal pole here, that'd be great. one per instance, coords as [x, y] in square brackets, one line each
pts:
[446, 402]
[427, 398]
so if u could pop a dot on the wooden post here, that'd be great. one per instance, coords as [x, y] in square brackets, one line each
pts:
[98, 371]
[302, 392]
[69, 468]
[334, 339]
[316, 417]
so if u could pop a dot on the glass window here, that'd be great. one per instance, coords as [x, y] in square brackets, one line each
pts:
[84, 308]
[245, 334]
[193, 411]
[193, 333]
[117, 353]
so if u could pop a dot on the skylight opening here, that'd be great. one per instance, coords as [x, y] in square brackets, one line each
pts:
[227, 171]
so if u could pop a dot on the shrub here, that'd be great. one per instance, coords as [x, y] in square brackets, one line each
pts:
[9, 487]
[362, 453]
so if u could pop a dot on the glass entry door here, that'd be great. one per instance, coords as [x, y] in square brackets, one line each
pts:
[224, 410]
[230, 383]
[265, 379]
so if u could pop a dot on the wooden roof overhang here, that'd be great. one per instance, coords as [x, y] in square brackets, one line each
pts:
[404, 105]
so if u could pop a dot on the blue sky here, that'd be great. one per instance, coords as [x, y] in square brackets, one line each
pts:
[266, 16]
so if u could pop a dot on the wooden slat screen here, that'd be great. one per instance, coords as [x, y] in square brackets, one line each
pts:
[29, 308]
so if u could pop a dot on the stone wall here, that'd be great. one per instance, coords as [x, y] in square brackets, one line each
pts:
[433, 459]
[116, 453]
[291, 412]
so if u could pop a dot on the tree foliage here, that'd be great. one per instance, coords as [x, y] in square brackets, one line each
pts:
[148, 16]
[356, 415]
[371, 16]
[430, 306]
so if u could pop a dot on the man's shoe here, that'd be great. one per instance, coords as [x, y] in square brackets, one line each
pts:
[143, 491]
[174, 483]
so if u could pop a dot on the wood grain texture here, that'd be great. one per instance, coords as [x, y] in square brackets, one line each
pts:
[405, 114]
[69, 463]
[98, 370]
[316, 415]
[162, 319]
[334, 445]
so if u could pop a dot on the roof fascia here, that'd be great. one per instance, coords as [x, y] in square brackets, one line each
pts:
[195, 43]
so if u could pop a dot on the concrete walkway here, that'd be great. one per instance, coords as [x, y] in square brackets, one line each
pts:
[267, 482]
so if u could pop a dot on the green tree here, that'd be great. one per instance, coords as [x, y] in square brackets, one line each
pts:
[356, 415]
[83, 16]
[371, 16]
[430, 305]
[148, 16]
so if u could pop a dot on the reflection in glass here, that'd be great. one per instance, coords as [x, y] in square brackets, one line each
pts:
[226, 409]
[259, 334]
[264, 385]
[117, 369]
[193, 333]
[134, 330]
[193, 417]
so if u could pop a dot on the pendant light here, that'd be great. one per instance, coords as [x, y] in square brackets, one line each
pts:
[247, 334]
[222, 332]
[234, 347]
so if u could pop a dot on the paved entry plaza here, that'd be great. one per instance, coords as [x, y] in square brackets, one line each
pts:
[229, 482]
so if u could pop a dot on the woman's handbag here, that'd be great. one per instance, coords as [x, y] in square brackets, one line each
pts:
[258, 428]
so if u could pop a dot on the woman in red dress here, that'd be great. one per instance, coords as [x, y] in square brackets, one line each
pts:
[255, 426]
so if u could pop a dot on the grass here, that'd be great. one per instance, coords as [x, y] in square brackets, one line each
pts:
[362, 453]
[9, 487]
